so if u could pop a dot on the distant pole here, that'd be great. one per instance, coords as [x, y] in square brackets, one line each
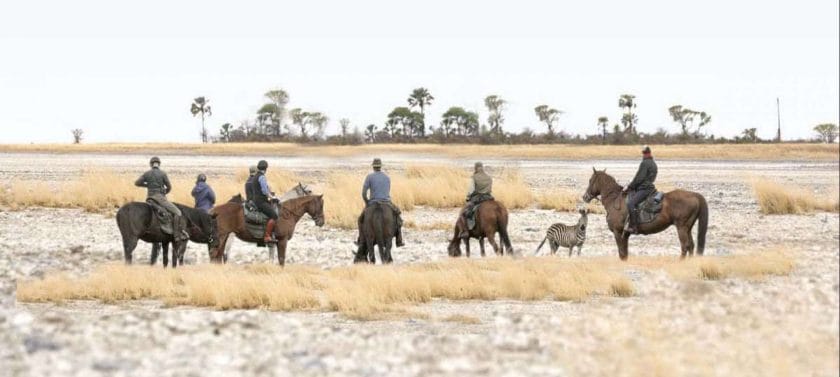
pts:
[779, 120]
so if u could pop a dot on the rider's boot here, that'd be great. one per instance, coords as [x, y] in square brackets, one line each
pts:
[269, 231]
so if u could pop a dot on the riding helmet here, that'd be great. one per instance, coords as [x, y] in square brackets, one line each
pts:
[262, 165]
[154, 160]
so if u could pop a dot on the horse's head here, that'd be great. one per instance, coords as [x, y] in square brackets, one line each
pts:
[595, 185]
[315, 209]
[302, 190]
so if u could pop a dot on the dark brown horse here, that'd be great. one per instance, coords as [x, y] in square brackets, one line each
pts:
[679, 208]
[490, 218]
[378, 230]
[230, 218]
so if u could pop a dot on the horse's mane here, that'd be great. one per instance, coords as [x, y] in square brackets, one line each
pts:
[236, 199]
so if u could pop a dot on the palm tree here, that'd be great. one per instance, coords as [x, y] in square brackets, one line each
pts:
[225, 131]
[547, 115]
[495, 105]
[421, 98]
[279, 98]
[200, 106]
[602, 122]
[629, 120]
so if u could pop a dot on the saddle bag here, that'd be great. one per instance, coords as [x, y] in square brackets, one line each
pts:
[162, 216]
[253, 214]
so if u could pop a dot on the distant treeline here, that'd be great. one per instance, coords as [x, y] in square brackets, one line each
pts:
[275, 122]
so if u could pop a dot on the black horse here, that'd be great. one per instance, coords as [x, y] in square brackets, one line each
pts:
[137, 221]
[378, 230]
[197, 222]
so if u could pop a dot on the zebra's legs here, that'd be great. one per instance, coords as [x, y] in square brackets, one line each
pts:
[571, 248]
[579, 248]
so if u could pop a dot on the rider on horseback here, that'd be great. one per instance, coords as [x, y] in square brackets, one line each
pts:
[204, 196]
[379, 186]
[642, 186]
[481, 187]
[157, 186]
[252, 171]
[261, 194]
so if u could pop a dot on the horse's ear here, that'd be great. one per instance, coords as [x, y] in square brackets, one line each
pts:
[604, 171]
[593, 170]
[321, 196]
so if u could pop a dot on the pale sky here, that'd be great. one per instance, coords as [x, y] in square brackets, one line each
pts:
[128, 71]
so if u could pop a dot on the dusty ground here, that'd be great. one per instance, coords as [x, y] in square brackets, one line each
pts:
[779, 326]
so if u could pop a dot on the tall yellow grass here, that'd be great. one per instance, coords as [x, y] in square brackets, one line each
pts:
[98, 190]
[826, 152]
[776, 199]
[378, 292]
[431, 186]
[565, 200]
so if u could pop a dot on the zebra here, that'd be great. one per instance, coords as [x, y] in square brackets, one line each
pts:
[566, 235]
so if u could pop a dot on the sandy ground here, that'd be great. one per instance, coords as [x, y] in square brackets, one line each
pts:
[779, 326]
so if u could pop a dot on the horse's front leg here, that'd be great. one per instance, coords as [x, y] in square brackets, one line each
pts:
[218, 255]
[281, 251]
[165, 251]
[155, 252]
[621, 240]
[467, 246]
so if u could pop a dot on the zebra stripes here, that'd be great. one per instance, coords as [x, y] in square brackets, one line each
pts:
[566, 235]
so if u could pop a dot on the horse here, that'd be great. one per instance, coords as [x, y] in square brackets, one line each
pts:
[680, 208]
[137, 221]
[491, 218]
[378, 230]
[231, 219]
[196, 216]
[197, 220]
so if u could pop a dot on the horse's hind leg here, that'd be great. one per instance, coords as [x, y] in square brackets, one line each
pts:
[481, 245]
[467, 246]
[686, 244]
[129, 244]
[493, 243]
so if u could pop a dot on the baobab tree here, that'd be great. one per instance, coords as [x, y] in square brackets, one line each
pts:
[200, 106]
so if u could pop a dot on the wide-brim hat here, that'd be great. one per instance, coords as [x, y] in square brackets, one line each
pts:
[377, 163]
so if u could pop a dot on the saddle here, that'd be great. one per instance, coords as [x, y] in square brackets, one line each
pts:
[650, 207]
[162, 216]
[255, 221]
[472, 208]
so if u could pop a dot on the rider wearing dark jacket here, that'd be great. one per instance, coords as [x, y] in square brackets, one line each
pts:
[204, 196]
[641, 187]
[261, 195]
[252, 171]
[157, 186]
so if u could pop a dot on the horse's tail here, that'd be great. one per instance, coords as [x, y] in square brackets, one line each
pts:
[502, 223]
[127, 230]
[704, 223]
[541, 245]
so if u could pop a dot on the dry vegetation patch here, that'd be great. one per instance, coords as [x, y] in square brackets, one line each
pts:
[777, 199]
[785, 151]
[382, 292]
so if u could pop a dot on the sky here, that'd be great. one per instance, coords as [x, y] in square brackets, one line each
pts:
[127, 72]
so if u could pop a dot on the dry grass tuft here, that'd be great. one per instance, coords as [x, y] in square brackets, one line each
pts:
[776, 199]
[622, 287]
[386, 292]
[463, 319]
[565, 201]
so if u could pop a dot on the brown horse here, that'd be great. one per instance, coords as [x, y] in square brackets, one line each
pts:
[490, 218]
[230, 218]
[679, 207]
